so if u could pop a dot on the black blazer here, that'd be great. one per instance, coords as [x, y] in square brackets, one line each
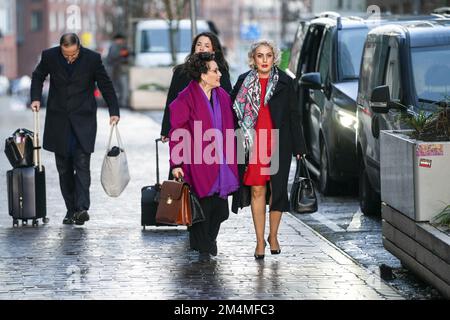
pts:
[71, 101]
[286, 118]
[180, 81]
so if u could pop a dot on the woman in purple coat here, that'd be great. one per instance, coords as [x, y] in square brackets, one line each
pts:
[202, 147]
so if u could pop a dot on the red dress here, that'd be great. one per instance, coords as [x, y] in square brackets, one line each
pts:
[254, 176]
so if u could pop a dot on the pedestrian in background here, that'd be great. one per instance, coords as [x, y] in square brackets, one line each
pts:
[204, 103]
[203, 42]
[71, 117]
[264, 99]
[117, 60]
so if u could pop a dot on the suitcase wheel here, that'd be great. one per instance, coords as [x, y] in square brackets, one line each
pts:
[24, 222]
[45, 220]
[35, 223]
[143, 228]
[15, 223]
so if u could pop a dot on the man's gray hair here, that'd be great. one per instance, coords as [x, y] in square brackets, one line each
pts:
[263, 42]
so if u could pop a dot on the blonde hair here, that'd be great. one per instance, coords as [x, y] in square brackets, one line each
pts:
[256, 45]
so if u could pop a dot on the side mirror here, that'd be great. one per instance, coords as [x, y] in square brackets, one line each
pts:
[380, 99]
[311, 81]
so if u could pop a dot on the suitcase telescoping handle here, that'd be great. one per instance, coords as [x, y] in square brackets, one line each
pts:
[157, 160]
[36, 142]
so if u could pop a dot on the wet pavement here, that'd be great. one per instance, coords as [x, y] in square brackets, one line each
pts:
[340, 221]
[111, 257]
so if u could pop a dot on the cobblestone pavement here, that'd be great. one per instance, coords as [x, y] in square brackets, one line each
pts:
[111, 257]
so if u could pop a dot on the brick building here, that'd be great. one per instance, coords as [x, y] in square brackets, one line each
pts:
[8, 48]
[42, 22]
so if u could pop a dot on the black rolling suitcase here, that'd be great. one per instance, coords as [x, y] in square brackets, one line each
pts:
[26, 188]
[150, 198]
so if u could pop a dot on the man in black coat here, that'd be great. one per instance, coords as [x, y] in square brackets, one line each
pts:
[71, 118]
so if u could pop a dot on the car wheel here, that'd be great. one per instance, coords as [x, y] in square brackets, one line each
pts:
[326, 184]
[369, 199]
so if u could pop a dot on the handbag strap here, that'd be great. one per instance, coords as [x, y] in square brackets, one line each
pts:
[157, 160]
[118, 138]
[305, 167]
[301, 163]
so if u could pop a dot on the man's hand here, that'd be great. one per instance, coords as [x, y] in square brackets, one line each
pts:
[36, 106]
[114, 120]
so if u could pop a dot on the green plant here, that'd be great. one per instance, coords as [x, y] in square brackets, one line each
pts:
[443, 218]
[430, 126]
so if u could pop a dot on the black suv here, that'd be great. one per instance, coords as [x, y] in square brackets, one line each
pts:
[405, 68]
[327, 69]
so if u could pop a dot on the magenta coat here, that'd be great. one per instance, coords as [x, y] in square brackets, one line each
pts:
[190, 109]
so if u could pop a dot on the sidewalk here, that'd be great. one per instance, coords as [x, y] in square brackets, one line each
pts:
[111, 257]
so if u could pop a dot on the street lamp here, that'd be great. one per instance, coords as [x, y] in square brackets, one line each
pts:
[193, 18]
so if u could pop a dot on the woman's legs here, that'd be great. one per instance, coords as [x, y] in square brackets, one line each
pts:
[202, 235]
[274, 224]
[258, 205]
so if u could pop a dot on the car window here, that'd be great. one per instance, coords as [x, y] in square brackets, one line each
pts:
[392, 78]
[325, 57]
[431, 72]
[296, 47]
[372, 67]
[157, 40]
[350, 48]
[310, 48]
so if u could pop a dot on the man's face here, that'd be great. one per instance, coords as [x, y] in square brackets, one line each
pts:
[70, 52]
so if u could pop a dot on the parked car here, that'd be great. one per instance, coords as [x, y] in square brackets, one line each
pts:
[405, 68]
[327, 71]
[152, 42]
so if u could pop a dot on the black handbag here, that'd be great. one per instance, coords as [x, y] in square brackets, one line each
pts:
[196, 209]
[303, 196]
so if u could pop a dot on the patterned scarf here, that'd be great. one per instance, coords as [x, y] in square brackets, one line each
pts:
[248, 101]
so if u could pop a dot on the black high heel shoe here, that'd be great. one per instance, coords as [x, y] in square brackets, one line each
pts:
[278, 251]
[260, 256]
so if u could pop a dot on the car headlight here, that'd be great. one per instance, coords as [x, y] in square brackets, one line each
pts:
[347, 120]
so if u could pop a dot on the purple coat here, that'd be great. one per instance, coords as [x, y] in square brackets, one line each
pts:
[192, 112]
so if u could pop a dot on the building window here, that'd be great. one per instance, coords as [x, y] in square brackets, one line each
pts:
[36, 21]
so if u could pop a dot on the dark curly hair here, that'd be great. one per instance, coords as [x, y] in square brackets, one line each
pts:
[197, 64]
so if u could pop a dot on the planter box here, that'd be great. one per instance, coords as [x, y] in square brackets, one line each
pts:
[415, 175]
[144, 99]
[420, 247]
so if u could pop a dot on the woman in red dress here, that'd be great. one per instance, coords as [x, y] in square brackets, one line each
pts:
[265, 104]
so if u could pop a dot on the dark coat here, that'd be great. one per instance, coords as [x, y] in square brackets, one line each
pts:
[180, 81]
[286, 118]
[71, 101]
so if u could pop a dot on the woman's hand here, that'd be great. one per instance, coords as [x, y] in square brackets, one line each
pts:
[164, 139]
[178, 173]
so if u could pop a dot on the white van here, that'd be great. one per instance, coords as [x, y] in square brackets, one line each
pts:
[152, 42]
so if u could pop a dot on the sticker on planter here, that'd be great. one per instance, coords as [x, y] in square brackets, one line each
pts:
[426, 163]
[430, 149]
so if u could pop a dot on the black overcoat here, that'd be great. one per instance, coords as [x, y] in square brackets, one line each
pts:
[180, 80]
[286, 118]
[71, 101]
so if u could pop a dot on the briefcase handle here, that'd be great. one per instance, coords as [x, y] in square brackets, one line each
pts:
[157, 160]
[36, 142]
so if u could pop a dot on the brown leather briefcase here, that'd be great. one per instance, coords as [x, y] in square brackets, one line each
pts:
[174, 206]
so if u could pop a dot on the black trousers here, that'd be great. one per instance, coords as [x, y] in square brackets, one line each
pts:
[202, 235]
[75, 179]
